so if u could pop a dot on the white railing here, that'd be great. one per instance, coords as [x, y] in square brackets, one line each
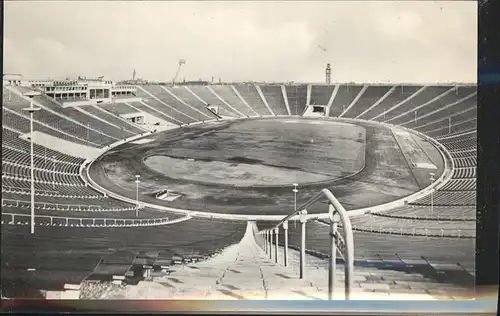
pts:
[453, 218]
[65, 207]
[20, 203]
[101, 222]
[26, 191]
[421, 232]
[344, 244]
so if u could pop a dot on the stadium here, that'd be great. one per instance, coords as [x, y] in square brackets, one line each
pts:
[141, 190]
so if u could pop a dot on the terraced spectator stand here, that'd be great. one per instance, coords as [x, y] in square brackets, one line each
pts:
[397, 226]
[230, 95]
[429, 259]
[156, 246]
[58, 121]
[17, 149]
[410, 213]
[296, 99]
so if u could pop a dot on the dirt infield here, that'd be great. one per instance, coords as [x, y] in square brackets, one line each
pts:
[265, 153]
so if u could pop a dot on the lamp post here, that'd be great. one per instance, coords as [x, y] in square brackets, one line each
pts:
[31, 110]
[303, 221]
[432, 191]
[265, 242]
[276, 234]
[415, 117]
[295, 191]
[53, 171]
[88, 131]
[285, 257]
[449, 125]
[270, 244]
[137, 194]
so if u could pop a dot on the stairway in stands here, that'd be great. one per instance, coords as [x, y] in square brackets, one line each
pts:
[245, 271]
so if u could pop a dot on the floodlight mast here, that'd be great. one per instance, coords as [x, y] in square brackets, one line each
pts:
[137, 181]
[180, 63]
[53, 171]
[295, 191]
[432, 179]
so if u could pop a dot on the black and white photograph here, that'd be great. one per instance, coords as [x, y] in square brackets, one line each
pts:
[239, 150]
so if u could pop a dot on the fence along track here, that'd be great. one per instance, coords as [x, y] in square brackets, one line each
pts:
[101, 222]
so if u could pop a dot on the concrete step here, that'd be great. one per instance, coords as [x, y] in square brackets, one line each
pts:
[63, 295]
[189, 281]
[208, 272]
[431, 285]
[304, 293]
[242, 284]
[225, 293]
[279, 283]
[242, 277]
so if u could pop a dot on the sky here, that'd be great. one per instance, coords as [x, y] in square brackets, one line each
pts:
[272, 41]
